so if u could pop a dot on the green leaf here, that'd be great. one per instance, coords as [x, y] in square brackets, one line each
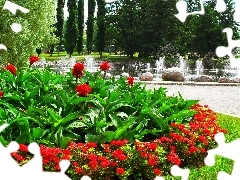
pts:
[180, 115]
[190, 103]
[120, 131]
[54, 116]
[80, 100]
[3, 141]
[93, 138]
[37, 133]
[109, 135]
[64, 142]
[71, 117]
[117, 122]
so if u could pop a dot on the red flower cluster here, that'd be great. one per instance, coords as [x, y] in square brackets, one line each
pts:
[105, 66]
[130, 80]
[78, 70]
[11, 68]
[196, 139]
[83, 89]
[33, 59]
[1, 94]
[184, 144]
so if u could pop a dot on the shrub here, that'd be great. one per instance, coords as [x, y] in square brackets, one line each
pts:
[185, 145]
[45, 107]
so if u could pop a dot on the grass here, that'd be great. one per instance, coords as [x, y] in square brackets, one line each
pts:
[110, 57]
[232, 124]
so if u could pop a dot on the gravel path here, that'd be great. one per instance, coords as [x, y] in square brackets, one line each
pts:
[223, 99]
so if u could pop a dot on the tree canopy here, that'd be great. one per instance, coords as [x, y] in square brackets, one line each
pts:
[36, 30]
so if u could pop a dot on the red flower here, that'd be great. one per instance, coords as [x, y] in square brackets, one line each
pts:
[33, 59]
[83, 90]
[118, 153]
[1, 94]
[23, 148]
[120, 171]
[105, 66]
[78, 70]
[157, 171]
[193, 149]
[130, 80]
[11, 68]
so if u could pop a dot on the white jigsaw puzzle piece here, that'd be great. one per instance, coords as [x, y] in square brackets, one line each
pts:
[85, 178]
[159, 178]
[182, 9]
[222, 51]
[35, 165]
[12, 7]
[177, 171]
[228, 150]
[236, 15]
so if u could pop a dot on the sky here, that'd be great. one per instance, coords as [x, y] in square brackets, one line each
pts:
[237, 6]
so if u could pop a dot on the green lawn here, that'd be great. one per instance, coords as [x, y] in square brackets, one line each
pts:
[110, 57]
[232, 124]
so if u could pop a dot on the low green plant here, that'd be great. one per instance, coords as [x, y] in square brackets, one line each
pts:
[43, 106]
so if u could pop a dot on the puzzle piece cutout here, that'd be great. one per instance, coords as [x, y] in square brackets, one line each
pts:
[222, 51]
[110, 1]
[182, 9]
[177, 171]
[16, 27]
[228, 150]
[32, 169]
[236, 15]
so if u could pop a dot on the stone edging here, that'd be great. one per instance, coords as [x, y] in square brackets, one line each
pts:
[188, 83]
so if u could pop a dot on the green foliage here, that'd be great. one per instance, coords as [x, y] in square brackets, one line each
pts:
[90, 24]
[71, 27]
[42, 106]
[149, 27]
[100, 37]
[36, 30]
[80, 25]
[60, 19]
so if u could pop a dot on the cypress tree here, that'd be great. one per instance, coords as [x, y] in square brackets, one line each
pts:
[80, 25]
[90, 24]
[60, 21]
[71, 27]
[100, 36]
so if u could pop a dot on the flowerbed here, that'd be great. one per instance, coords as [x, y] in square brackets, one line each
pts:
[185, 145]
[107, 128]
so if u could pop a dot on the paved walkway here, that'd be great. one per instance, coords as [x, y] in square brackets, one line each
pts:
[223, 99]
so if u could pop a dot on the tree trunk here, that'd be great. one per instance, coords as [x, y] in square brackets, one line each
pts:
[51, 49]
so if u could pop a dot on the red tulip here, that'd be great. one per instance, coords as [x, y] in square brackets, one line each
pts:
[33, 59]
[11, 68]
[83, 89]
[130, 80]
[105, 66]
[78, 70]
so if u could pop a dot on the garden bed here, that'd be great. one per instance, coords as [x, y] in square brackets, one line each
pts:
[107, 128]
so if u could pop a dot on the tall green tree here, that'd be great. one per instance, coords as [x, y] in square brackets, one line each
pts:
[90, 24]
[60, 21]
[100, 36]
[80, 26]
[36, 31]
[207, 31]
[71, 27]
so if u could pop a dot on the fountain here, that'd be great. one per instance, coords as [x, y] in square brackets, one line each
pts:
[159, 67]
[90, 64]
[183, 65]
[199, 67]
[124, 74]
